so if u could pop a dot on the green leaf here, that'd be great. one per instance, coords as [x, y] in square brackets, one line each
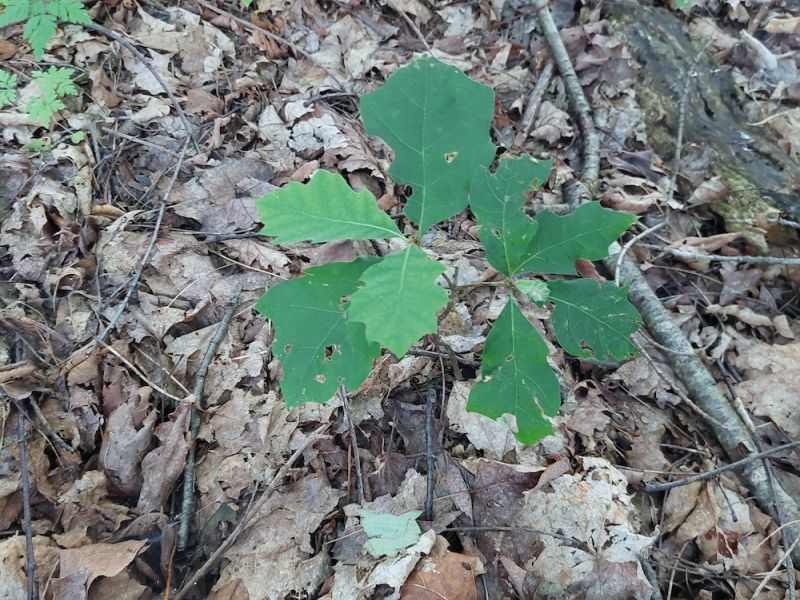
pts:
[38, 31]
[559, 241]
[316, 342]
[593, 319]
[76, 137]
[399, 299]
[42, 109]
[56, 81]
[71, 11]
[323, 210]
[8, 88]
[534, 289]
[436, 121]
[388, 534]
[516, 378]
[15, 11]
[684, 5]
[497, 200]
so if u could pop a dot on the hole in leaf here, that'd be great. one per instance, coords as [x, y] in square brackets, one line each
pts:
[287, 349]
[496, 232]
[450, 156]
[319, 378]
[328, 352]
[509, 358]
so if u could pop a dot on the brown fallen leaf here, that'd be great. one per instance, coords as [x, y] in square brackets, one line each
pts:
[162, 466]
[443, 574]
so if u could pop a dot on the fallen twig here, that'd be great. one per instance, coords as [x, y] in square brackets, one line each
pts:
[120, 39]
[194, 419]
[751, 260]
[250, 512]
[30, 558]
[706, 475]
[533, 104]
[351, 428]
[430, 398]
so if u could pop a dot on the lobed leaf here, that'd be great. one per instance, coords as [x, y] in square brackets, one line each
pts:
[559, 241]
[39, 30]
[71, 11]
[8, 85]
[318, 346]
[436, 121]
[399, 299]
[593, 319]
[516, 378]
[497, 199]
[323, 210]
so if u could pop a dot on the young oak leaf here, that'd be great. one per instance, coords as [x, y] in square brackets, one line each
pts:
[584, 233]
[323, 210]
[496, 200]
[516, 377]
[317, 344]
[398, 299]
[593, 319]
[436, 121]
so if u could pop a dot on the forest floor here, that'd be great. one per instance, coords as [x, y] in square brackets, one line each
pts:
[123, 248]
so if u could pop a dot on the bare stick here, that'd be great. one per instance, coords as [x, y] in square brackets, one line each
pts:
[571, 541]
[351, 428]
[706, 475]
[534, 102]
[750, 260]
[410, 23]
[578, 104]
[630, 243]
[143, 59]
[146, 257]
[194, 419]
[430, 397]
[250, 512]
[30, 559]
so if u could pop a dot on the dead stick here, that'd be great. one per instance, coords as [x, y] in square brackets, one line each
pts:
[351, 428]
[141, 57]
[534, 102]
[244, 522]
[706, 475]
[30, 558]
[194, 418]
[430, 397]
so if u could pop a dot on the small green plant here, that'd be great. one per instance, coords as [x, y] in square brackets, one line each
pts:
[39, 145]
[41, 17]
[331, 323]
[54, 84]
[8, 88]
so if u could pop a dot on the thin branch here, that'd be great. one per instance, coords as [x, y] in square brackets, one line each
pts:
[578, 104]
[248, 516]
[146, 257]
[750, 260]
[570, 541]
[141, 57]
[533, 104]
[430, 398]
[410, 23]
[351, 428]
[706, 475]
[194, 418]
[630, 243]
[30, 558]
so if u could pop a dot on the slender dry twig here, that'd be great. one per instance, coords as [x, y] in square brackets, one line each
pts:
[578, 104]
[146, 256]
[732, 435]
[630, 243]
[51, 433]
[570, 541]
[250, 513]
[410, 23]
[773, 572]
[706, 475]
[30, 558]
[351, 428]
[533, 104]
[141, 57]
[194, 418]
[135, 140]
[750, 260]
[430, 398]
